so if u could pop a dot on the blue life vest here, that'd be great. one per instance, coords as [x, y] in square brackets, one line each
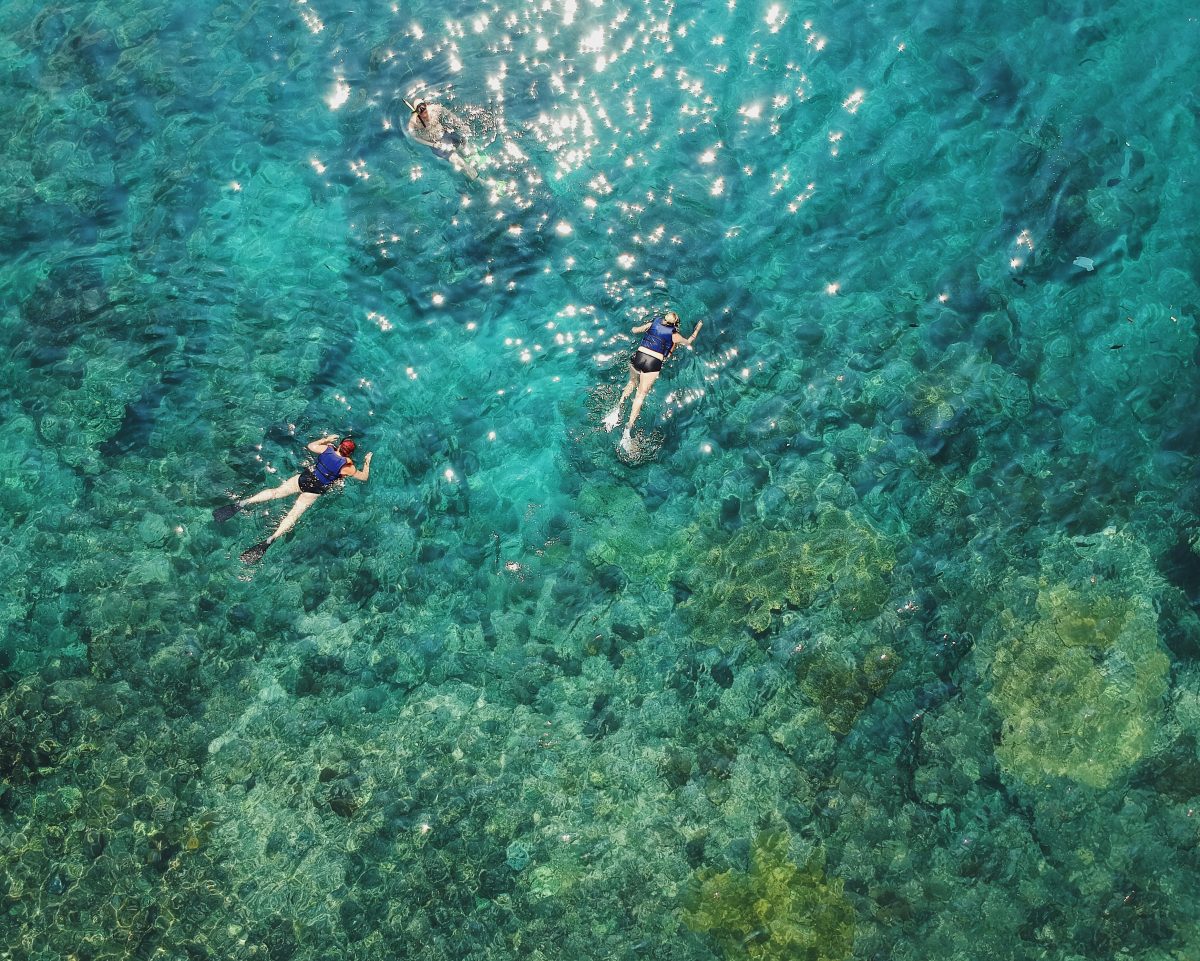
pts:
[660, 337]
[328, 467]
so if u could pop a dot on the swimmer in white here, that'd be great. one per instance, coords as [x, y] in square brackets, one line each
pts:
[427, 125]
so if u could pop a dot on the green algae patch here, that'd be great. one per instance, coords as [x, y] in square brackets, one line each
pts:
[620, 519]
[776, 910]
[762, 572]
[758, 573]
[1080, 687]
[965, 387]
[842, 690]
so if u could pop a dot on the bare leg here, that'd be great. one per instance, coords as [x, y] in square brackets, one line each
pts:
[303, 503]
[462, 166]
[614, 416]
[288, 488]
[630, 384]
[645, 383]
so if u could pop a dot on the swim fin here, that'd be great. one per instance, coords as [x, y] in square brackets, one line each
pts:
[222, 514]
[255, 553]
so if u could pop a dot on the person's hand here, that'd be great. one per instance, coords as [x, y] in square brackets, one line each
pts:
[367, 459]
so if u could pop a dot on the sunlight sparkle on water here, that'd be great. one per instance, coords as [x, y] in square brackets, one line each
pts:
[813, 39]
[593, 42]
[311, 20]
[379, 320]
[339, 95]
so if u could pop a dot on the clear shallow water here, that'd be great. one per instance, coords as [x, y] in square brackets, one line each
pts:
[885, 642]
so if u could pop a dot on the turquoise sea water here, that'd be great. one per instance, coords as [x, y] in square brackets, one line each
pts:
[882, 644]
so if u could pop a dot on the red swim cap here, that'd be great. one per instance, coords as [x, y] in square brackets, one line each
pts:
[347, 446]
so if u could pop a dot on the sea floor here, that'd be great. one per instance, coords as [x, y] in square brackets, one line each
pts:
[880, 640]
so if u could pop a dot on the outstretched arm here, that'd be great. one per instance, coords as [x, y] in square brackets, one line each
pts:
[318, 446]
[680, 339]
[365, 473]
[641, 329]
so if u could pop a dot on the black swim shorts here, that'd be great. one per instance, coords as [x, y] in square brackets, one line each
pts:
[310, 485]
[645, 363]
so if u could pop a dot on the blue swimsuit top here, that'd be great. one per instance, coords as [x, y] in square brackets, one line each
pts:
[660, 338]
[328, 467]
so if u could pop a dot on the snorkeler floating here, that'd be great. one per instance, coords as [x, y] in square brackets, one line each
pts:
[333, 464]
[427, 125]
[661, 334]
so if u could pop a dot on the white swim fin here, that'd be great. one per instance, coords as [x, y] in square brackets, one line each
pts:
[460, 163]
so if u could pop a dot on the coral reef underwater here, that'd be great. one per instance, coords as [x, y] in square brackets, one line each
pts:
[883, 646]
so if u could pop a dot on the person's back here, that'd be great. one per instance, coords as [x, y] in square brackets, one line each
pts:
[328, 467]
[660, 338]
